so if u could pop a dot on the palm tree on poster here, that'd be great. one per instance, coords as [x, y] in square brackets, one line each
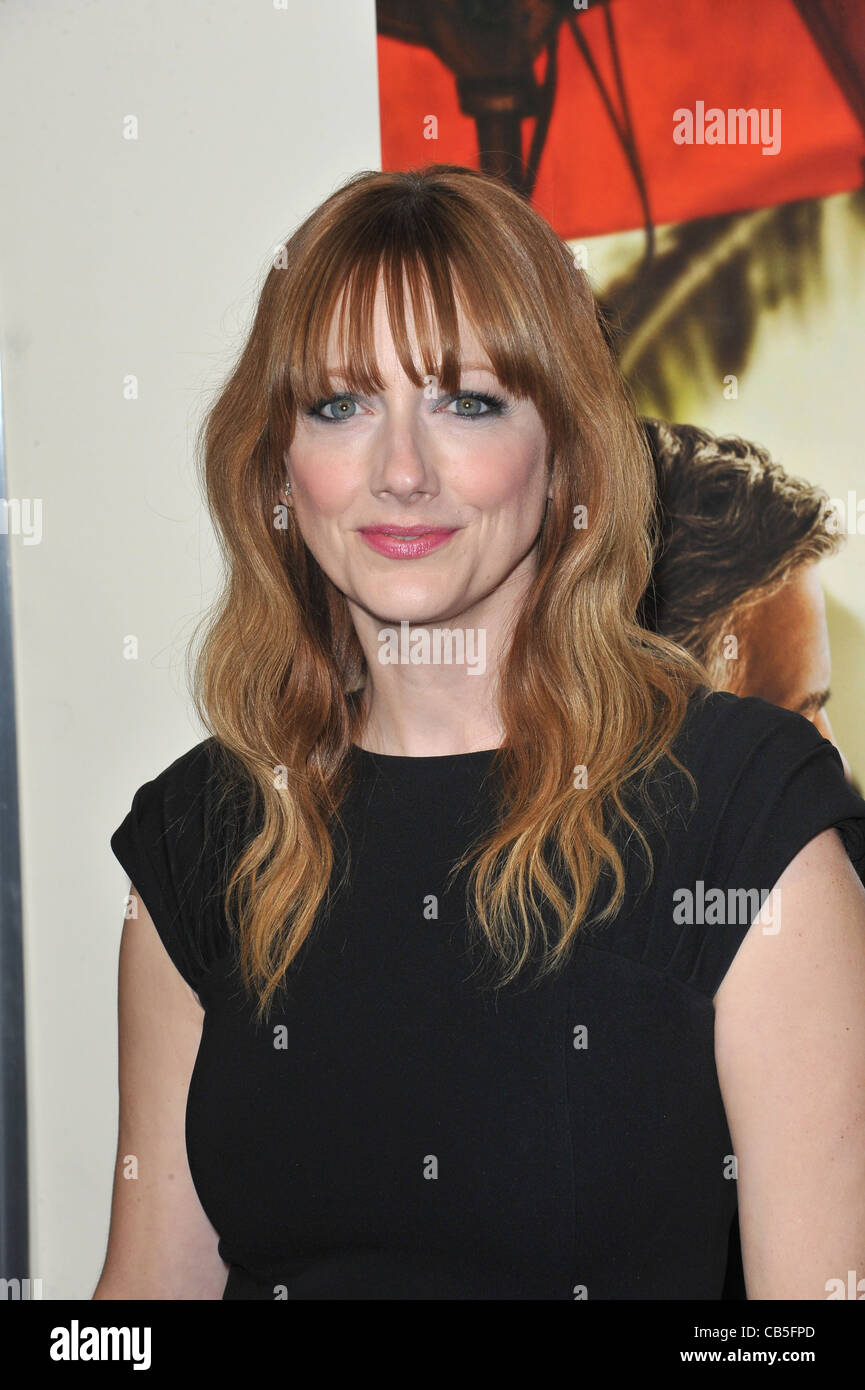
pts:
[670, 314]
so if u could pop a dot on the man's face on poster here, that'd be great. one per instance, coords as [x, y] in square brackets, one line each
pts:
[783, 651]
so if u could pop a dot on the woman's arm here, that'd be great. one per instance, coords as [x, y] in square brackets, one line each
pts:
[790, 1053]
[160, 1245]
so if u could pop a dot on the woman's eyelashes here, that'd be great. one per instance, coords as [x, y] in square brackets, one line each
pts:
[472, 405]
[343, 399]
[493, 405]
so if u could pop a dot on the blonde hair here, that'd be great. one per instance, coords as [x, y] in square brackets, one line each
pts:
[581, 683]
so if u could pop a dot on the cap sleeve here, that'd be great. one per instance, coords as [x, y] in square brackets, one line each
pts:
[769, 782]
[173, 844]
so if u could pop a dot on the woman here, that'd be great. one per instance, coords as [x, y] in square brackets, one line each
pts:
[443, 982]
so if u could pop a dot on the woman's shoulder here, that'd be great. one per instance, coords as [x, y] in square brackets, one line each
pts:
[177, 842]
[193, 793]
[187, 776]
[766, 783]
[721, 729]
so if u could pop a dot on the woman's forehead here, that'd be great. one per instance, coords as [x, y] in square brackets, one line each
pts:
[383, 314]
[470, 351]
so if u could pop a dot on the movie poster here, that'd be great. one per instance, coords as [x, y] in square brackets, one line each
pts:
[705, 165]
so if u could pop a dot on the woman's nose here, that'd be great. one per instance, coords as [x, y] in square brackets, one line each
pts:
[401, 461]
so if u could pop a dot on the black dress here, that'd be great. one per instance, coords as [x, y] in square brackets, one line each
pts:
[397, 1130]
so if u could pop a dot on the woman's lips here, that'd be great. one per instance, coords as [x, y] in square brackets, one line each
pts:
[408, 546]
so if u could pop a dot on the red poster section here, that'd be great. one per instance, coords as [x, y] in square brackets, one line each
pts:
[674, 54]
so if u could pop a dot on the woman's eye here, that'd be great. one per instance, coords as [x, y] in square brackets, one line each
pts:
[344, 408]
[471, 405]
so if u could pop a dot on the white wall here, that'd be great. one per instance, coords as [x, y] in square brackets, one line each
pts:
[126, 257]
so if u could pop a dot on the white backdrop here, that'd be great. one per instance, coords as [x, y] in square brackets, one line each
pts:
[129, 257]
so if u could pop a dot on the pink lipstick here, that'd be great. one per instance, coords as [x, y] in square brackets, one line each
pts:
[405, 542]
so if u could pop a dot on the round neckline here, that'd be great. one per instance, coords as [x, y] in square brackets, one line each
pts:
[409, 761]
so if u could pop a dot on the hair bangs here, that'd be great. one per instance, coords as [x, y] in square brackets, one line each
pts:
[433, 277]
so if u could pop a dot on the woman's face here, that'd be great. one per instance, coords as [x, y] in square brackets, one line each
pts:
[412, 457]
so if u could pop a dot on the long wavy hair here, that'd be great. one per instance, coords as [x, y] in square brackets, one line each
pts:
[581, 682]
